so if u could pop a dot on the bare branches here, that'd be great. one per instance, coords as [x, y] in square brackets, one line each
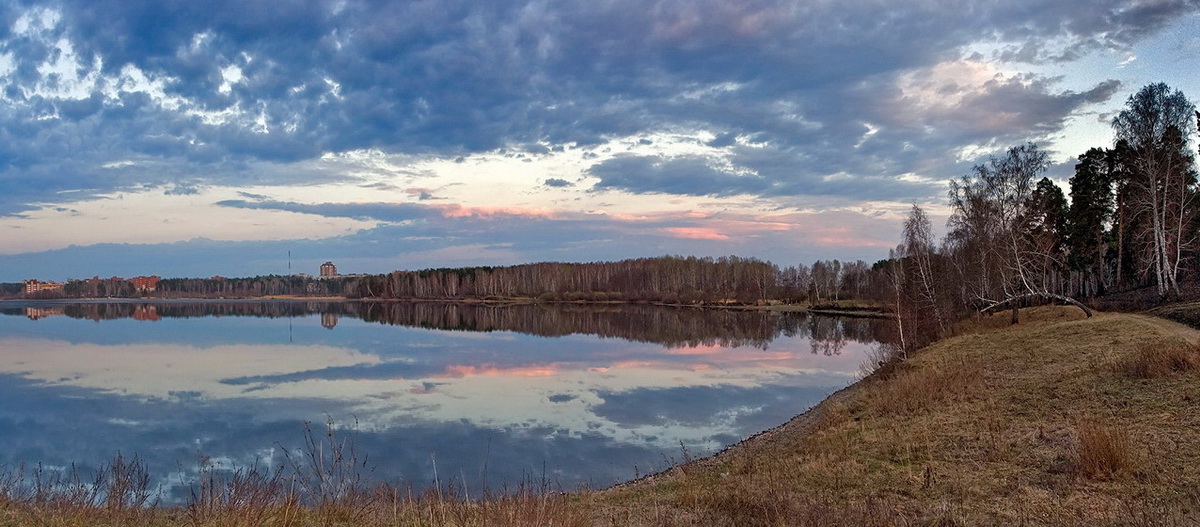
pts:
[1009, 229]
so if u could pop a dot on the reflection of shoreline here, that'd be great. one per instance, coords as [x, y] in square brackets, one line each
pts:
[851, 313]
[34, 313]
[865, 312]
[671, 327]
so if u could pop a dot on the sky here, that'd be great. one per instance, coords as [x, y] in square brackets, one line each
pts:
[183, 138]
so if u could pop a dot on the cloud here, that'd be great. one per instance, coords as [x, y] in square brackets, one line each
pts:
[696, 233]
[391, 212]
[173, 437]
[419, 236]
[846, 101]
[684, 176]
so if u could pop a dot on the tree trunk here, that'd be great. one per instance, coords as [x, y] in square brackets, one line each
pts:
[1012, 301]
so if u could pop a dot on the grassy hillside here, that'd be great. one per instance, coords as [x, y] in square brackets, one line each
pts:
[1061, 420]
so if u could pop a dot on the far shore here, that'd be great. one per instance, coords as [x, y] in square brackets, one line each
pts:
[861, 311]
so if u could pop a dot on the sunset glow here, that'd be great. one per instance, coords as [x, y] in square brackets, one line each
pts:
[707, 129]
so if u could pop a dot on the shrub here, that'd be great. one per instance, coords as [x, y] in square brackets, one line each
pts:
[1103, 451]
[1154, 360]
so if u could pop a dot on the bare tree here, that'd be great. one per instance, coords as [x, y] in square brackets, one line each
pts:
[918, 245]
[896, 279]
[995, 215]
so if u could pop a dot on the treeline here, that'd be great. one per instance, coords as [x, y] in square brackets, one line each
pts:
[668, 279]
[272, 285]
[1013, 239]
[217, 287]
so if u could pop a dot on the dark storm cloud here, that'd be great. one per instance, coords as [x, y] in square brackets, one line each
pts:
[1108, 26]
[454, 77]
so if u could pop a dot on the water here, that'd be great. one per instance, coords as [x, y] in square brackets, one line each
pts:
[489, 396]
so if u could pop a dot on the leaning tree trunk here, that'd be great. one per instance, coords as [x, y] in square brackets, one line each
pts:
[1013, 302]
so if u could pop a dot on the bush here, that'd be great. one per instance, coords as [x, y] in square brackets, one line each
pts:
[1103, 452]
[1155, 360]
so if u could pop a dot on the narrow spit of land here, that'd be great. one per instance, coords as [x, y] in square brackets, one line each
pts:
[1061, 420]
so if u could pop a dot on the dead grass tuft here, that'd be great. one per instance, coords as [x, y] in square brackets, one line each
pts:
[913, 389]
[1153, 360]
[1104, 452]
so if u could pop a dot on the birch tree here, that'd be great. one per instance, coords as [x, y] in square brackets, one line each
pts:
[995, 215]
[1163, 179]
[918, 246]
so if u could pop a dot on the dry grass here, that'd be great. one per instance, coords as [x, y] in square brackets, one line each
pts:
[1104, 451]
[1154, 360]
[909, 390]
[261, 502]
[979, 429]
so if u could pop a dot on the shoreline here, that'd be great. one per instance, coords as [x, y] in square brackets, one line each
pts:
[892, 444]
[850, 312]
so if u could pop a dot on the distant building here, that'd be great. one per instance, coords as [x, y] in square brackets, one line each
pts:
[34, 286]
[145, 283]
[328, 269]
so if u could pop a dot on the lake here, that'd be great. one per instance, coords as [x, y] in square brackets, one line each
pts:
[476, 396]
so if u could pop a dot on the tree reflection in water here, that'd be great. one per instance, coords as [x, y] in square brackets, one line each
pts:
[671, 327]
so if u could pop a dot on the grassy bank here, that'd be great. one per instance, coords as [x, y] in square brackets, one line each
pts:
[1061, 420]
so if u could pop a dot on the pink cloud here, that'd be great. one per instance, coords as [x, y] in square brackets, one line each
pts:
[459, 211]
[696, 233]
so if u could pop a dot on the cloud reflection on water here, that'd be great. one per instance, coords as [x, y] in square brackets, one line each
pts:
[590, 408]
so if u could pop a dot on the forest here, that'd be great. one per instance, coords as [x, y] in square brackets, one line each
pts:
[689, 280]
[1127, 237]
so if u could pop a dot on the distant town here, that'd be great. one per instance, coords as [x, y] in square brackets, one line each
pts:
[97, 287]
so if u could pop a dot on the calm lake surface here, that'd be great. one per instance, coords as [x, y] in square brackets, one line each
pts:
[490, 396]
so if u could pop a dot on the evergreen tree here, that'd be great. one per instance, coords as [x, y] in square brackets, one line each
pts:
[1091, 213]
